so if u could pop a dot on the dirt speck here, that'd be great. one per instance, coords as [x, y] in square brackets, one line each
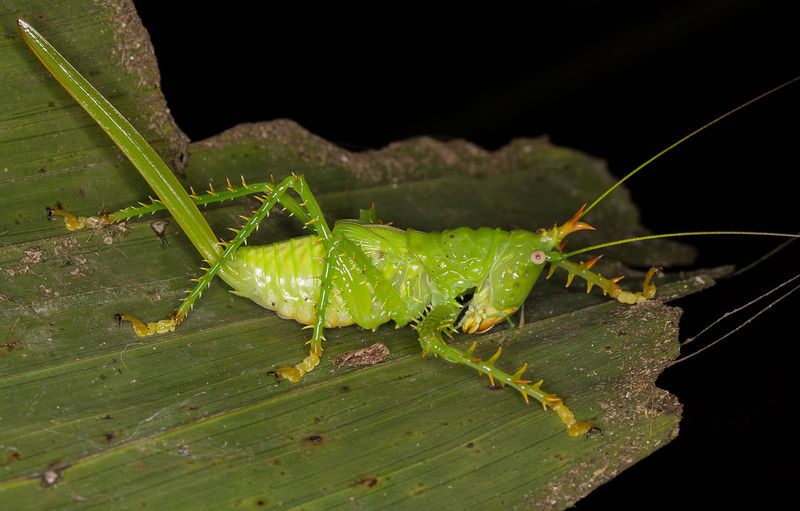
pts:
[33, 255]
[10, 346]
[52, 475]
[369, 482]
[47, 292]
[314, 440]
[370, 355]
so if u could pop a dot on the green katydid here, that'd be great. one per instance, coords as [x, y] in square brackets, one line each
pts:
[360, 271]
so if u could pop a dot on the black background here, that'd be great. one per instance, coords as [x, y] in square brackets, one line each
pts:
[617, 82]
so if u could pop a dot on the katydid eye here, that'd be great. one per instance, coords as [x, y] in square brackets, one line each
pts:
[538, 257]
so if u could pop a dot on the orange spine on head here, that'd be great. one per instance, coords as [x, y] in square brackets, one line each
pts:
[572, 225]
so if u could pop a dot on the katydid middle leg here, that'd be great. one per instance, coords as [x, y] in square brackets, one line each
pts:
[440, 318]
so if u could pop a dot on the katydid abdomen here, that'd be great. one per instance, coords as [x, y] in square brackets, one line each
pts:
[284, 277]
[380, 273]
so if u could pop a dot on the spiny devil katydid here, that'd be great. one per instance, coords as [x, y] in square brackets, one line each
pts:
[360, 271]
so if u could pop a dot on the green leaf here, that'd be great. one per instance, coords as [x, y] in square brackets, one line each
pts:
[94, 415]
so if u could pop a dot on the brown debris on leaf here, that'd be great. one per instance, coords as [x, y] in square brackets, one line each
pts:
[370, 355]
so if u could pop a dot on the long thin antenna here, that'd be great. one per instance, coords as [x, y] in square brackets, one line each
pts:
[741, 325]
[671, 235]
[761, 259]
[684, 139]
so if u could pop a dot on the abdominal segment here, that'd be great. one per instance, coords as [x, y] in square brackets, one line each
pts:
[285, 277]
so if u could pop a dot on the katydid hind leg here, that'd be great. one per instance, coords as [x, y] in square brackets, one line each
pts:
[276, 195]
[74, 222]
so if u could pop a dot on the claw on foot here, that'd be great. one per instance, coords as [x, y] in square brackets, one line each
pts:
[574, 428]
[288, 373]
[72, 222]
[295, 374]
[144, 329]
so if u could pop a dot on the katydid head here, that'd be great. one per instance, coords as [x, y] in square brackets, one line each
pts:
[516, 267]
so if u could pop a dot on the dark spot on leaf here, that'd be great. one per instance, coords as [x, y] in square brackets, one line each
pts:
[106, 417]
[314, 440]
[10, 346]
[607, 347]
[102, 377]
[345, 389]
[180, 161]
[260, 502]
[42, 170]
[13, 456]
[418, 491]
[109, 436]
[470, 445]
[369, 482]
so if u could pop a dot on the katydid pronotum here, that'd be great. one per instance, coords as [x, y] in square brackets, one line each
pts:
[360, 271]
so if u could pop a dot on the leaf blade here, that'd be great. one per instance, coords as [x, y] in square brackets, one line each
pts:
[165, 396]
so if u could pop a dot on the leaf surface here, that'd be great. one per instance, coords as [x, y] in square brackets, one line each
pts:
[93, 415]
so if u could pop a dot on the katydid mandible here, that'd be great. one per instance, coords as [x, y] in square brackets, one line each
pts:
[360, 271]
